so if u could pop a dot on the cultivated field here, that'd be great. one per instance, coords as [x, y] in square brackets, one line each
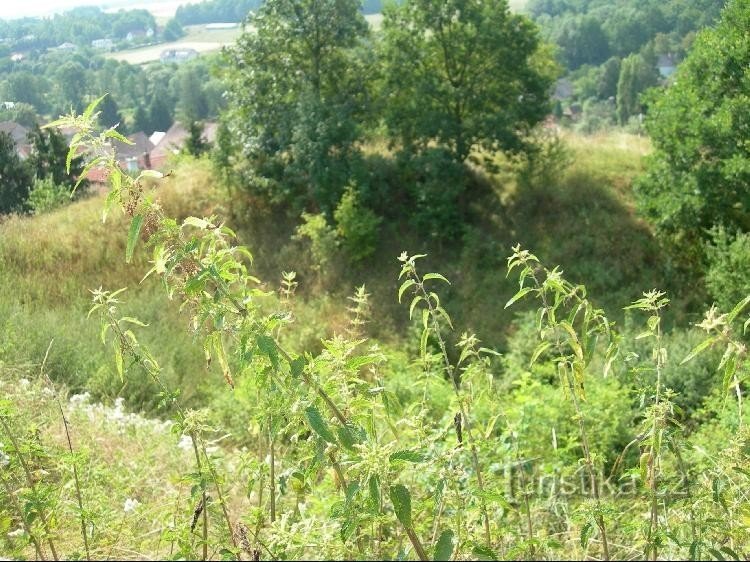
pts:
[198, 37]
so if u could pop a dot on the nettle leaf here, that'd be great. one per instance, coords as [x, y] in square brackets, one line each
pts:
[429, 276]
[350, 434]
[267, 346]
[698, 349]
[401, 500]
[407, 456]
[133, 233]
[586, 531]
[444, 546]
[318, 424]
[404, 286]
[296, 366]
[519, 295]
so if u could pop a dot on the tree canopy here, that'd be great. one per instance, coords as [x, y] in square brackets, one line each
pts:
[699, 173]
[463, 73]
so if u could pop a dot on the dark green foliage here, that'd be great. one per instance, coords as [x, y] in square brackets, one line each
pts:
[464, 74]
[699, 173]
[297, 94]
[15, 178]
[582, 41]
[159, 114]
[357, 225]
[728, 269]
[636, 75]
[109, 115]
[173, 30]
[195, 145]
[211, 11]
[48, 159]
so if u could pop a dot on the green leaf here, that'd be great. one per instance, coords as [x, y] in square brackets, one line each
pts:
[267, 346]
[89, 111]
[586, 531]
[133, 233]
[738, 308]
[404, 286]
[401, 500]
[349, 435]
[296, 366]
[118, 362]
[444, 546]
[541, 348]
[318, 424]
[407, 456]
[519, 295]
[699, 349]
[414, 303]
[429, 276]
[113, 134]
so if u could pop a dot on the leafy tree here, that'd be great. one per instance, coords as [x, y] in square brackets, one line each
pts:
[71, 80]
[191, 100]
[15, 178]
[109, 114]
[699, 173]
[195, 145]
[141, 121]
[582, 41]
[173, 30]
[607, 85]
[21, 113]
[463, 73]
[636, 75]
[48, 158]
[296, 94]
[159, 115]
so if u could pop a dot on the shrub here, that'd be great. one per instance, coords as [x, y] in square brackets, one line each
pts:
[728, 272]
[357, 225]
[45, 196]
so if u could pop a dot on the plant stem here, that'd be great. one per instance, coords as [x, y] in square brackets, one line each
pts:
[30, 483]
[70, 449]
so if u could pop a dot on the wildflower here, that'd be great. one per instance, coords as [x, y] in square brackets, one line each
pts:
[24, 383]
[4, 459]
[79, 399]
[130, 505]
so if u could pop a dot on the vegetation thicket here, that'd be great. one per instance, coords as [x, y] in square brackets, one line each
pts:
[391, 314]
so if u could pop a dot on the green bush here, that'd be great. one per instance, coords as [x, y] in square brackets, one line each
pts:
[357, 225]
[46, 196]
[728, 272]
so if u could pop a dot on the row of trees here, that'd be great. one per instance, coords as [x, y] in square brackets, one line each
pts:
[142, 98]
[79, 26]
[441, 81]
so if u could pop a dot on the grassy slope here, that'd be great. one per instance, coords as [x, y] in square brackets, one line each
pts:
[582, 219]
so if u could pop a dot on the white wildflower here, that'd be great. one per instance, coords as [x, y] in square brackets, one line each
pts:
[79, 399]
[17, 533]
[24, 382]
[130, 505]
[4, 459]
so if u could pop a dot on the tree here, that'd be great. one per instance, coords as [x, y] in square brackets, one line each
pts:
[159, 116]
[173, 30]
[297, 93]
[636, 75]
[71, 79]
[15, 178]
[699, 173]
[195, 145]
[191, 100]
[109, 112]
[463, 73]
[48, 159]
[141, 121]
[582, 41]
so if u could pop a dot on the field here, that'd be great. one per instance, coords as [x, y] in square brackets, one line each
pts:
[198, 37]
